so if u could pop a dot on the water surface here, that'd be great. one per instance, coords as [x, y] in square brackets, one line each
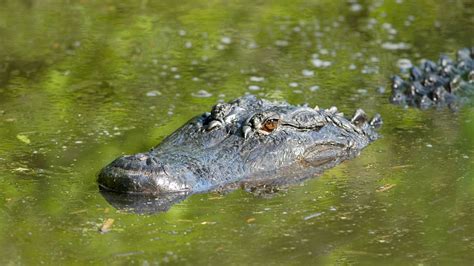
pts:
[82, 82]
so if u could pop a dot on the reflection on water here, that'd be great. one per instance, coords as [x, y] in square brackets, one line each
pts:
[82, 82]
[146, 204]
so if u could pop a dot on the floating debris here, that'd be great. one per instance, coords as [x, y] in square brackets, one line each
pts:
[320, 63]
[402, 166]
[307, 73]
[153, 93]
[226, 40]
[78, 211]
[21, 169]
[106, 225]
[293, 84]
[385, 187]
[206, 222]
[281, 43]
[23, 138]
[257, 79]
[389, 28]
[314, 88]
[201, 94]
[254, 87]
[311, 216]
[356, 7]
[395, 46]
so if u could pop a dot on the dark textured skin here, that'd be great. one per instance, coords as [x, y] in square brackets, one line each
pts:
[445, 83]
[245, 143]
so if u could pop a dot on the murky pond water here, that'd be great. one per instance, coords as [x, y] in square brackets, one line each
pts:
[82, 82]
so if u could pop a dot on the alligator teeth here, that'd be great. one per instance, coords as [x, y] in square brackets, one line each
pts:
[359, 117]
[214, 124]
[340, 114]
[246, 130]
[316, 108]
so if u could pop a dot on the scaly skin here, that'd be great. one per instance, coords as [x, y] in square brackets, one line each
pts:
[247, 142]
[446, 83]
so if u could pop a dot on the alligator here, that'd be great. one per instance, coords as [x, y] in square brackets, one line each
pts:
[247, 143]
[446, 83]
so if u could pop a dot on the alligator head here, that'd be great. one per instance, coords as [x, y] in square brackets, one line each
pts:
[245, 142]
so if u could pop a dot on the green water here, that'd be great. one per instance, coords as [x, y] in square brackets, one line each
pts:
[82, 82]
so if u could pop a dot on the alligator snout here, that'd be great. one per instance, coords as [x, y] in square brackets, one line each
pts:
[139, 173]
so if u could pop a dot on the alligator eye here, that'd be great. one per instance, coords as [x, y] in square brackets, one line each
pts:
[270, 125]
